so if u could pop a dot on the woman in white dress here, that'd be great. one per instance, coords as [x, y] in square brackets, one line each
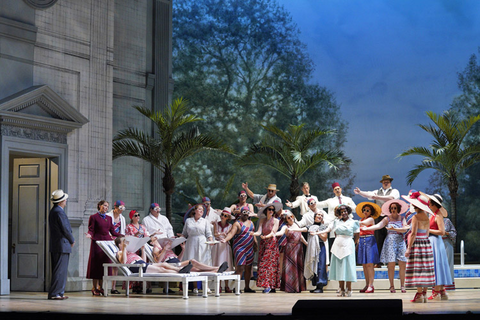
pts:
[223, 251]
[197, 231]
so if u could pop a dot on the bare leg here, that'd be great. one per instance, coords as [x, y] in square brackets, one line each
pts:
[371, 274]
[402, 266]
[156, 268]
[198, 266]
[391, 273]
[349, 286]
[365, 272]
[248, 275]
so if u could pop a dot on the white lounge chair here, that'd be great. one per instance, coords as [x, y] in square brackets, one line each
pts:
[125, 274]
[214, 276]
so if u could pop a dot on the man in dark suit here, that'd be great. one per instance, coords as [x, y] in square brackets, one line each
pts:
[61, 243]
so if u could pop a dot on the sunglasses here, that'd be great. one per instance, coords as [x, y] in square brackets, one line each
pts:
[270, 209]
[207, 203]
[366, 209]
[223, 215]
[136, 215]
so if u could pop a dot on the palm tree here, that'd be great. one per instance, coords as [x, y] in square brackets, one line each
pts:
[171, 143]
[291, 153]
[446, 154]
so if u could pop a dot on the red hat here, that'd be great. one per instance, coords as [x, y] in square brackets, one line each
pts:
[335, 184]
[132, 213]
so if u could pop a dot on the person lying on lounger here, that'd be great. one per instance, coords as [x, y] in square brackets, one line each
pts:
[127, 257]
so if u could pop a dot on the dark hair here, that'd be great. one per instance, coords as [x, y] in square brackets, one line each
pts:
[337, 210]
[118, 240]
[372, 209]
[100, 203]
[399, 207]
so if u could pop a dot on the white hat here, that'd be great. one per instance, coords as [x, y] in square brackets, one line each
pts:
[276, 204]
[58, 196]
[419, 200]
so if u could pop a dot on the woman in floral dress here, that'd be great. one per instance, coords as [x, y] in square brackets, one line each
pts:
[268, 254]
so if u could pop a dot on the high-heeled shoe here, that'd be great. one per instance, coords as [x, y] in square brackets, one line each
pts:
[364, 289]
[228, 290]
[95, 292]
[101, 292]
[392, 289]
[435, 295]
[419, 298]
[348, 293]
[403, 289]
[341, 293]
[370, 289]
[443, 295]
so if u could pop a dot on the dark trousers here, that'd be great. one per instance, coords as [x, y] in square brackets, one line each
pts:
[320, 279]
[59, 273]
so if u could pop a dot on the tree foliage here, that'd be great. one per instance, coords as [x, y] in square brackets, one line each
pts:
[176, 138]
[242, 65]
[447, 153]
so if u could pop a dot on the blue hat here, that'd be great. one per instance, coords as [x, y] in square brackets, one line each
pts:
[205, 199]
[119, 203]
[153, 205]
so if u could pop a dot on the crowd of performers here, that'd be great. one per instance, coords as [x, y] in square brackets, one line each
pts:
[414, 233]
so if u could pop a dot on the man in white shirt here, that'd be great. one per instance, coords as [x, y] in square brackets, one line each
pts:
[260, 200]
[156, 222]
[301, 201]
[382, 195]
[334, 202]
[211, 214]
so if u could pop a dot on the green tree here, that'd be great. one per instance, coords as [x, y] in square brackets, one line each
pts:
[175, 139]
[447, 154]
[291, 154]
[242, 65]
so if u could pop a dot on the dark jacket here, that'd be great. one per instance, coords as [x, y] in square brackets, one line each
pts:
[61, 238]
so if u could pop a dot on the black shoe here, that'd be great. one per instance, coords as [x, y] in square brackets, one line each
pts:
[170, 291]
[249, 290]
[272, 291]
[223, 267]
[114, 291]
[186, 269]
[149, 290]
[319, 290]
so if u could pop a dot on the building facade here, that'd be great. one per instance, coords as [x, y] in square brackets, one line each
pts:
[70, 72]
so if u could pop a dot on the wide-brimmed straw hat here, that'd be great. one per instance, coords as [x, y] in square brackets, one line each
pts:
[272, 187]
[386, 206]
[58, 196]
[276, 204]
[438, 200]
[375, 206]
[419, 200]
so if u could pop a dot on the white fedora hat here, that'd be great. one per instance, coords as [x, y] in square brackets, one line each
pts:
[58, 196]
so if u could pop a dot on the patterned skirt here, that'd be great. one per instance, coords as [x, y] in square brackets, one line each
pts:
[268, 264]
[292, 276]
[420, 269]
[393, 249]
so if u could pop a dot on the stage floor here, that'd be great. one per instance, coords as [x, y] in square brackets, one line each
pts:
[462, 301]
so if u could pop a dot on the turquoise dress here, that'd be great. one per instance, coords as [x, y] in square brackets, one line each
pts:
[343, 265]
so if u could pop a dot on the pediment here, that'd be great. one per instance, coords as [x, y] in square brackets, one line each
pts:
[40, 107]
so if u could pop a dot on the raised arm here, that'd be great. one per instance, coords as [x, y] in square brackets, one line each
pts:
[377, 226]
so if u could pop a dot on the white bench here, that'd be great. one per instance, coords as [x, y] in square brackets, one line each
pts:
[125, 274]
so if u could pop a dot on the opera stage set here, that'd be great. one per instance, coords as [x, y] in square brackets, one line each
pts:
[463, 302]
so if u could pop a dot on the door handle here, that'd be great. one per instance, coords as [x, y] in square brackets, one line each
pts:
[13, 248]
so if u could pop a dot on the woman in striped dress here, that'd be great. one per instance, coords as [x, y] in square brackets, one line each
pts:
[420, 271]
[243, 244]
[292, 273]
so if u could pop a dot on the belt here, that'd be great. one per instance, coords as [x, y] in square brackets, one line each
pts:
[368, 235]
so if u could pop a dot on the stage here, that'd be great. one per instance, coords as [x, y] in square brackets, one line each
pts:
[28, 305]
[464, 301]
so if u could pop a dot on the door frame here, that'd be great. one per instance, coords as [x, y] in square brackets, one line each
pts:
[14, 147]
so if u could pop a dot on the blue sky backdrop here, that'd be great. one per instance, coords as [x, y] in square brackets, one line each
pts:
[388, 62]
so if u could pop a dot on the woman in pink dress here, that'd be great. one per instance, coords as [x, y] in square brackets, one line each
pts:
[268, 254]
[222, 252]
[292, 274]
[100, 227]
